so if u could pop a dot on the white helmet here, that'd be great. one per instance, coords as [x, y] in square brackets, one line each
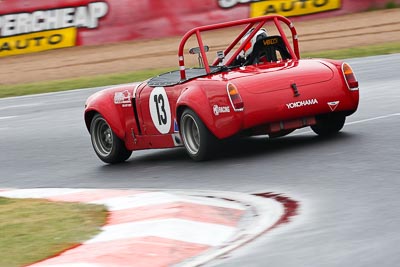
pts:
[248, 49]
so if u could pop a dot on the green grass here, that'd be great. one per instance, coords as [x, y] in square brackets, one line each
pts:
[391, 5]
[77, 83]
[388, 5]
[32, 230]
[361, 51]
[110, 79]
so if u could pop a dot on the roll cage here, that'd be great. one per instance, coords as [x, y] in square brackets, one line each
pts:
[282, 46]
[252, 23]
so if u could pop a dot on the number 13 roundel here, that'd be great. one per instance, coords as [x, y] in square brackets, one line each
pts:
[160, 110]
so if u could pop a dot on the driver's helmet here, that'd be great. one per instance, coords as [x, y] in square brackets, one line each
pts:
[248, 49]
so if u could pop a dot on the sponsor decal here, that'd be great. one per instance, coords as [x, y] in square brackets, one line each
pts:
[286, 8]
[160, 110]
[218, 110]
[270, 41]
[36, 42]
[41, 30]
[290, 8]
[333, 105]
[176, 127]
[303, 103]
[233, 3]
[123, 98]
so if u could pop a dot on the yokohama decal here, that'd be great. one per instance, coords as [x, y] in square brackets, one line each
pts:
[303, 103]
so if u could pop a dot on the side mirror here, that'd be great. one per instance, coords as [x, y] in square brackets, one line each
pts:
[196, 50]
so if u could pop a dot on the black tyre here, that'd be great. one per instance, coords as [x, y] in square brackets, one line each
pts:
[329, 124]
[108, 147]
[199, 142]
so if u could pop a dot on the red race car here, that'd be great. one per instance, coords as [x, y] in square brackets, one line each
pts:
[256, 85]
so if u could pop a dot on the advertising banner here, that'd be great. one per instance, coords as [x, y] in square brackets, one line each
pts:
[36, 28]
[35, 25]
[290, 8]
[37, 41]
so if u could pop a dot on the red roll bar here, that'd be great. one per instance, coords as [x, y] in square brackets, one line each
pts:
[255, 23]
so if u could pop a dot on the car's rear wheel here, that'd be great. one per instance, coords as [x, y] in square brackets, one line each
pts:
[107, 145]
[198, 140]
[329, 124]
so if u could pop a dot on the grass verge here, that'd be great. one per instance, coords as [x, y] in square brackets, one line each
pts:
[33, 230]
[110, 79]
[77, 83]
[360, 51]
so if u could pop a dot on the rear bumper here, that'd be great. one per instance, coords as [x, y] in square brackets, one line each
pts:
[284, 106]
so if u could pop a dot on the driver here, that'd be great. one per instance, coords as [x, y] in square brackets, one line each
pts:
[248, 49]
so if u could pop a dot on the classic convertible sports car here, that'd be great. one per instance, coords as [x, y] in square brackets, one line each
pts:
[257, 85]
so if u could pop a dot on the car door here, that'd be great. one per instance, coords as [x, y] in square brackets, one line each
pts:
[157, 107]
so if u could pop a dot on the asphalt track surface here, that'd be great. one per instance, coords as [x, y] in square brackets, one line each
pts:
[347, 186]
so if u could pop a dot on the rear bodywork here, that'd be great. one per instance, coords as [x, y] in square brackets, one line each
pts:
[271, 97]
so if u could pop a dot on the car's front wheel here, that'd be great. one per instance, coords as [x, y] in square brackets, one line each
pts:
[199, 142]
[329, 124]
[108, 146]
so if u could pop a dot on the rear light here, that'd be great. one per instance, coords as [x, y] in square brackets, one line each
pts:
[349, 76]
[234, 97]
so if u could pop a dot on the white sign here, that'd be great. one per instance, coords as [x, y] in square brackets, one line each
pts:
[160, 110]
[42, 20]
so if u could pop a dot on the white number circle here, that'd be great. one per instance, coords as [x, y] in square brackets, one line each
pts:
[160, 110]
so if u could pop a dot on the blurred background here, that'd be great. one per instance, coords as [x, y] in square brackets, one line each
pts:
[82, 37]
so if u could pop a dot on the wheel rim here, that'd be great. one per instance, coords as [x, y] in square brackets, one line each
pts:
[102, 137]
[191, 134]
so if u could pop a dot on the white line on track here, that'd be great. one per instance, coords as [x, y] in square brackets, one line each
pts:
[373, 119]
[8, 117]
[357, 122]
[21, 106]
